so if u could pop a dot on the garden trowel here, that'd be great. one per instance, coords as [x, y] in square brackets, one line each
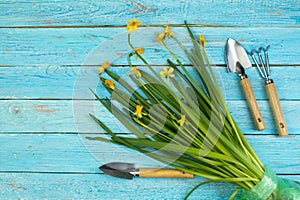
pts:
[128, 171]
[237, 61]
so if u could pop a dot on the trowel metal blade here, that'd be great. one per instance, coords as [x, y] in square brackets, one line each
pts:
[236, 57]
[118, 169]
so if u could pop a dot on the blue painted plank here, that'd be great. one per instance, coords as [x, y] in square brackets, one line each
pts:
[73, 153]
[69, 116]
[110, 12]
[82, 186]
[91, 46]
[91, 186]
[59, 82]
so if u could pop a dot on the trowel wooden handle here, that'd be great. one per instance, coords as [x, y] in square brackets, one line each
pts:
[163, 173]
[276, 108]
[259, 122]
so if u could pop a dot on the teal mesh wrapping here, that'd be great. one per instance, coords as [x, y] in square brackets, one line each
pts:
[271, 187]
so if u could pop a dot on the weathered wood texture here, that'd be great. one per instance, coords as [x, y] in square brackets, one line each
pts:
[72, 46]
[73, 153]
[49, 51]
[61, 82]
[69, 116]
[96, 186]
[110, 12]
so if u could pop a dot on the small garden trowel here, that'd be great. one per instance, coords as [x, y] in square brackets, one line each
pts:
[128, 171]
[237, 60]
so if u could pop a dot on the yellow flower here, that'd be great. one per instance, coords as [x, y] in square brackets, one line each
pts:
[104, 66]
[182, 120]
[133, 25]
[167, 73]
[139, 111]
[110, 84]
[168, 32]
[160, 37]
[136, 72]
[139, 50]
[202, 41]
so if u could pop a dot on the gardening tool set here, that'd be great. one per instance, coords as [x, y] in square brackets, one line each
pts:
[237, 60]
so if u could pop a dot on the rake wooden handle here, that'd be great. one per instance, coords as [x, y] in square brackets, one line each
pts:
[163, 173]
[276, 108]
[248, 91]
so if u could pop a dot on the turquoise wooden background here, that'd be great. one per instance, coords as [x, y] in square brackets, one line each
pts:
[43, 45]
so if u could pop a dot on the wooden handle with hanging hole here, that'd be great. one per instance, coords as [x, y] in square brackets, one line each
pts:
[248, 91]
[276, 108]
[163, 173]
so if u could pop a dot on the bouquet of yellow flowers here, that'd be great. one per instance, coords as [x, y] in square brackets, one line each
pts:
[180, 118]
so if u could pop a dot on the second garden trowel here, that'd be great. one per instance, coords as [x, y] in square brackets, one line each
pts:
[237, 61]
[128, 171]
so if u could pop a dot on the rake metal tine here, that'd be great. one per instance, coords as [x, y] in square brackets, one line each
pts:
[267, 60]
[256, 63]
[262, 61]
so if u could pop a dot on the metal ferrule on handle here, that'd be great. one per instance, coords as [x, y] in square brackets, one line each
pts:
[243, 76]
[276, 108]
